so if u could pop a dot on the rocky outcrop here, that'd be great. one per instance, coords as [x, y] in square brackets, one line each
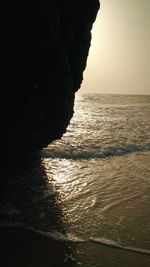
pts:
[44, 48]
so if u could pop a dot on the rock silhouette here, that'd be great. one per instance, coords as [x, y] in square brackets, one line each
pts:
[44, 48]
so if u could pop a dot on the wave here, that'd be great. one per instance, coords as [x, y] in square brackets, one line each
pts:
[55, 235]
[94, 154]
[113, 244]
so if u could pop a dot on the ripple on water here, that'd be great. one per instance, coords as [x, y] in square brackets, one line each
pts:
[108, 198]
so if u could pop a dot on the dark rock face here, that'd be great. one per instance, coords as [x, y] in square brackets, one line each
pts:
[44, 48]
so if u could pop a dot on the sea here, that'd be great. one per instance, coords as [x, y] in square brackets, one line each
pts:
[94, 183]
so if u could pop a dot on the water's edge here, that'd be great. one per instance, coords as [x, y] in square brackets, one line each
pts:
[57, 236]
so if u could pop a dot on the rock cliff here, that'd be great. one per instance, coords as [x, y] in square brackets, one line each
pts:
[44, 48]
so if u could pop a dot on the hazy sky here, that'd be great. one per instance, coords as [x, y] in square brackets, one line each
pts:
[119, 58]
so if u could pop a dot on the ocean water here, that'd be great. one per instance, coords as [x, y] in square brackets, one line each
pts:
[94, 183]
[101, 169]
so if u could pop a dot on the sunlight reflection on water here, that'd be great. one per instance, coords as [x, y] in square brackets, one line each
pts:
[101, 198]
[101, 169]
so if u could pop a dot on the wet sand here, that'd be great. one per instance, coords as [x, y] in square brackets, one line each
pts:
[22, 247]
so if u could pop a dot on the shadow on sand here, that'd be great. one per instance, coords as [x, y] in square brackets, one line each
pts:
[30, 203]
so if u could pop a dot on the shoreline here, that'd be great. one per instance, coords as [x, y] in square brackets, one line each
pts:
[23, 247]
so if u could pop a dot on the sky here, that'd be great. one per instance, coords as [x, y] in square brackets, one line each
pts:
[119, 57]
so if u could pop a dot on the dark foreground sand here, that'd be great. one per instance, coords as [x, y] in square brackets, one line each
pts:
[21, 247]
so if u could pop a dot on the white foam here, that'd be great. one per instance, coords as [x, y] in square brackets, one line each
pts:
[90, 154]
[113, 244]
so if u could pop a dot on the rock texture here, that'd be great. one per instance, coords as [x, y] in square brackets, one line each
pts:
[44, 48]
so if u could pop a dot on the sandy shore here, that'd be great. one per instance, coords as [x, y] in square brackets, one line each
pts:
[21, 247]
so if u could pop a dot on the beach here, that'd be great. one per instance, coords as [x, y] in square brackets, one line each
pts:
[21, 247]
[83, 200]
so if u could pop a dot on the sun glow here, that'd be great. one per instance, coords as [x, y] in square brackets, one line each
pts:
[119, 58]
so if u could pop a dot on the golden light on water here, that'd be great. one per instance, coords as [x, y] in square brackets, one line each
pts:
[60, 173]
